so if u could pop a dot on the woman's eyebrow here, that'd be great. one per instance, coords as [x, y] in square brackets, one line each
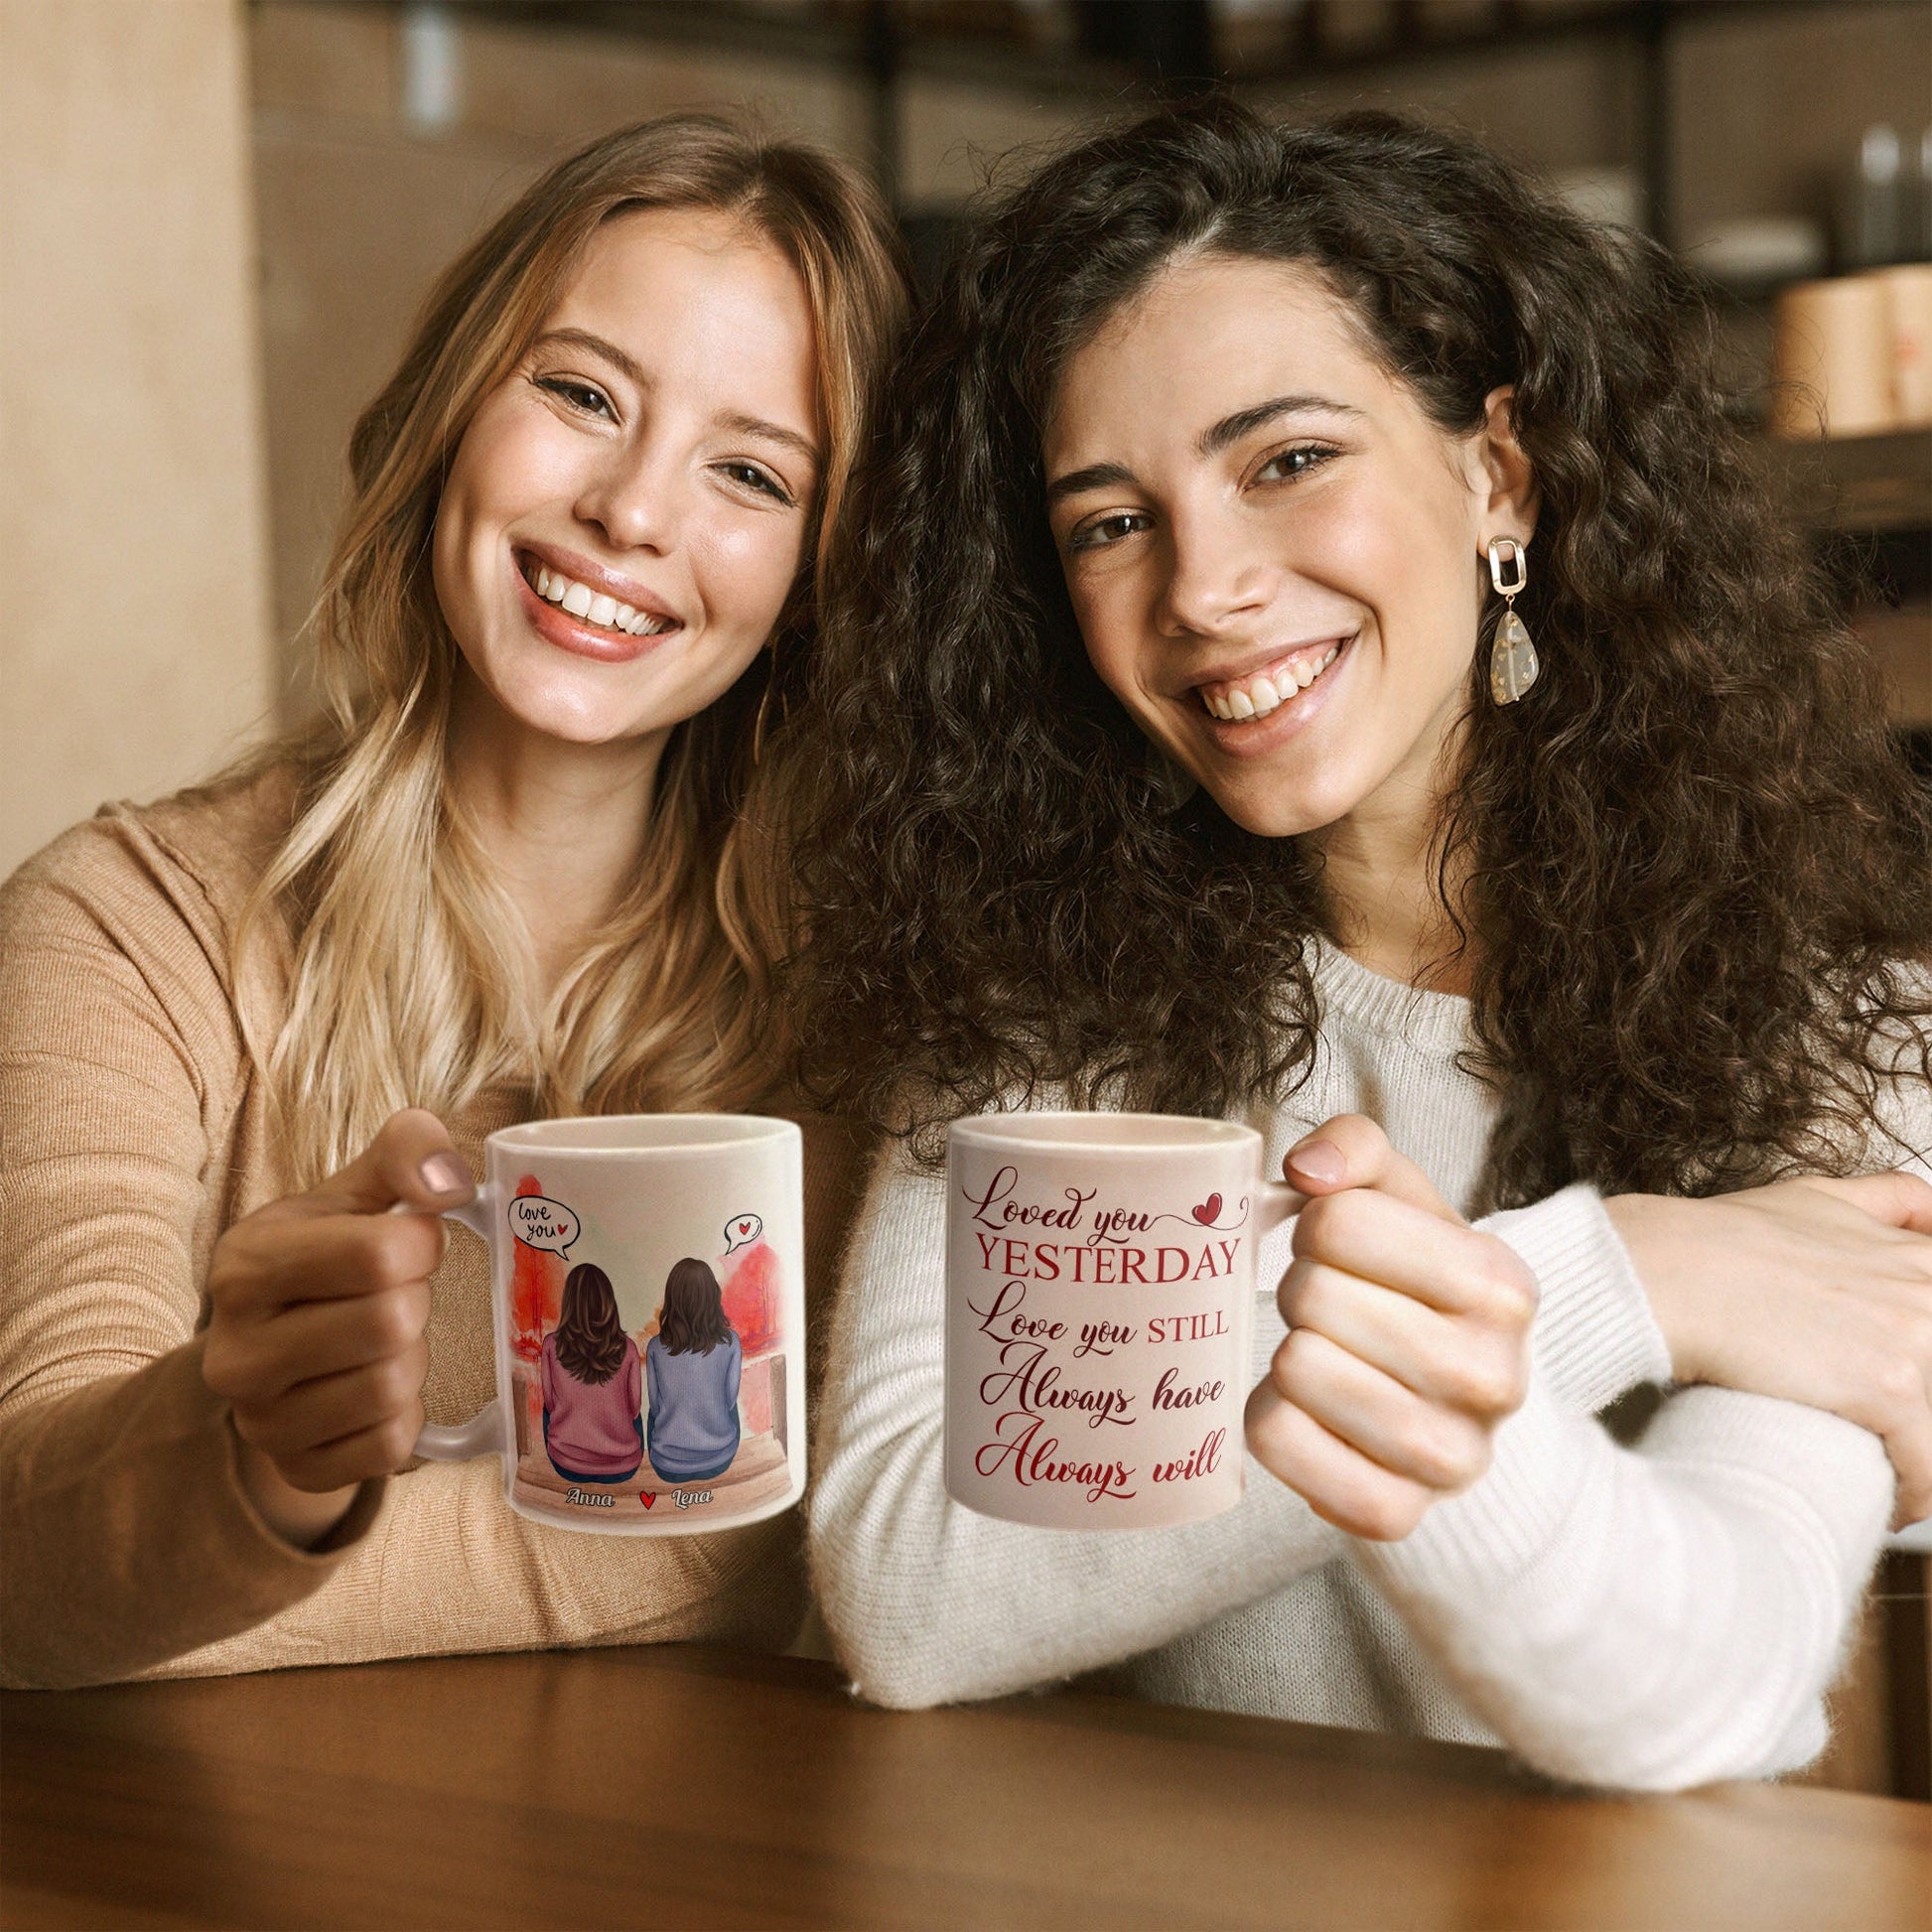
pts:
[771, 433]
[624, 364]
[1244, 422]
[1096, 476]
[1210, 443]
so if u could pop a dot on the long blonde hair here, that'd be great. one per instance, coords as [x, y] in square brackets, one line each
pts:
[411, 977]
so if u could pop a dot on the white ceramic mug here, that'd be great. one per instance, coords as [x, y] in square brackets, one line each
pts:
[647, 1288]
[1100, 1283]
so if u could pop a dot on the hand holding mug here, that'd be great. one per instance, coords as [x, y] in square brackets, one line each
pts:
[1408, 1339]
[317, 1304]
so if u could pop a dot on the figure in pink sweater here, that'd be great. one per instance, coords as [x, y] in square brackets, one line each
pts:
[592, 1385]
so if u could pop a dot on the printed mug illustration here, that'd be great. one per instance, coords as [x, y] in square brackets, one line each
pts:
[542, 1223]
[690, 1407]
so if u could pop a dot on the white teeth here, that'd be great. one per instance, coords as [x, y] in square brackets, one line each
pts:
[1259, 694]
[594, 607]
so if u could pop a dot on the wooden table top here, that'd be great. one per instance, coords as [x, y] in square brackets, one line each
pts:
[682, 1787]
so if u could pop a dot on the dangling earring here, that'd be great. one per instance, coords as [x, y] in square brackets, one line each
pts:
[1513, 665]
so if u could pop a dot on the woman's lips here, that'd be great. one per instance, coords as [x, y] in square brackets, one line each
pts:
[556, 626]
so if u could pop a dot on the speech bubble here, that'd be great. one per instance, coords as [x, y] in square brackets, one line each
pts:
[740, 1231]
[539, 1222]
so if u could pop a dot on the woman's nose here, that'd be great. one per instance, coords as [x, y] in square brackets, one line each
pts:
[636, 500]
[1217, 576]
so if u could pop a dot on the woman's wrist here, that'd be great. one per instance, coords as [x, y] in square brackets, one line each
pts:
[1663, 1250]
[299, 1517]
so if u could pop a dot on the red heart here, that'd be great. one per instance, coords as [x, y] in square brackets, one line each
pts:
[744, 1227]
[1209, 1211]
[646, 1497]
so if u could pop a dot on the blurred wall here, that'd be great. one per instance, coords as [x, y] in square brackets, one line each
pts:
[136, 647]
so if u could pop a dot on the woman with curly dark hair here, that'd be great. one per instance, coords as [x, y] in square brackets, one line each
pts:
[1318, 652]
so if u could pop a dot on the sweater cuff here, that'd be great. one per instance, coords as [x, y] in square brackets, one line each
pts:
[1595, 1338]
[364, 1507]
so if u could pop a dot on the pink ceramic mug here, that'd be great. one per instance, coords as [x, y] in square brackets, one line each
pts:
[1100, 1283]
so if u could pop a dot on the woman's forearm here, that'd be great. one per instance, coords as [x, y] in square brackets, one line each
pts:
[129, 1535]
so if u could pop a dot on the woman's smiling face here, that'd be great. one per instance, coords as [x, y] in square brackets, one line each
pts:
[1273, 551]
[626, 511]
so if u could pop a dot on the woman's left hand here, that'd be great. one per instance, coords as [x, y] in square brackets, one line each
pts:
[1815, 1290]
[1408, 1339]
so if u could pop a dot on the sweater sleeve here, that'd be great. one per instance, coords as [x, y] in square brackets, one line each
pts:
[130, 1537]
[1654, 1617]
[928, 1601]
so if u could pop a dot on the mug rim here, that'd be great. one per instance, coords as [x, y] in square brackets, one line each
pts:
[1184, 1133]
[531, 1137]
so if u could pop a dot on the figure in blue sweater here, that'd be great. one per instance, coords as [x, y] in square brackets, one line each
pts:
[691, 1371]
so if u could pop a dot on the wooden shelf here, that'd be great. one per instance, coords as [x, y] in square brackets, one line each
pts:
[1901, 644]
[1862, 483]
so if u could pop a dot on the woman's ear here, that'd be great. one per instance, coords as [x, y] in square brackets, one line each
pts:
[1504, 473]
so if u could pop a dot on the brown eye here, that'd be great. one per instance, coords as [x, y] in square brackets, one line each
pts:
[1107, 530]
[579, 395]
[1288, 464]
[753, 477]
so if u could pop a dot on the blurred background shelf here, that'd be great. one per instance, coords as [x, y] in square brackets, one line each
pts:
[1863, 483]
[1868, 500]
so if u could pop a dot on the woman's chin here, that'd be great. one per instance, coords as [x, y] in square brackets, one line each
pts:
[540, 712]
[1273, 811]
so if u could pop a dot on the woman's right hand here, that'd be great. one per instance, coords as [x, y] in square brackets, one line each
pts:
[1815, 1290]
[318, 1305]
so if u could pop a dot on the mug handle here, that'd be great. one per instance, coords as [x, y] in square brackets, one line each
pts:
[483, 1433]
[1278, 1202]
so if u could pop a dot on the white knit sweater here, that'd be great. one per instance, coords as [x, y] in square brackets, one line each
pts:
[1648, 1618]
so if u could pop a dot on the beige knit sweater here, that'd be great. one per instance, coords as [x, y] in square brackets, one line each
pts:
[133, 1131]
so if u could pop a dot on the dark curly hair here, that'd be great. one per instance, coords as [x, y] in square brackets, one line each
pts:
[1697, 870]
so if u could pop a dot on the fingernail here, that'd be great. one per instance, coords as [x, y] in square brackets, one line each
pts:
[1319, 1160]
[444, 1173]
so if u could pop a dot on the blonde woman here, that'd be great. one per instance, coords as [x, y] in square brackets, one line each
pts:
[516, 870]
